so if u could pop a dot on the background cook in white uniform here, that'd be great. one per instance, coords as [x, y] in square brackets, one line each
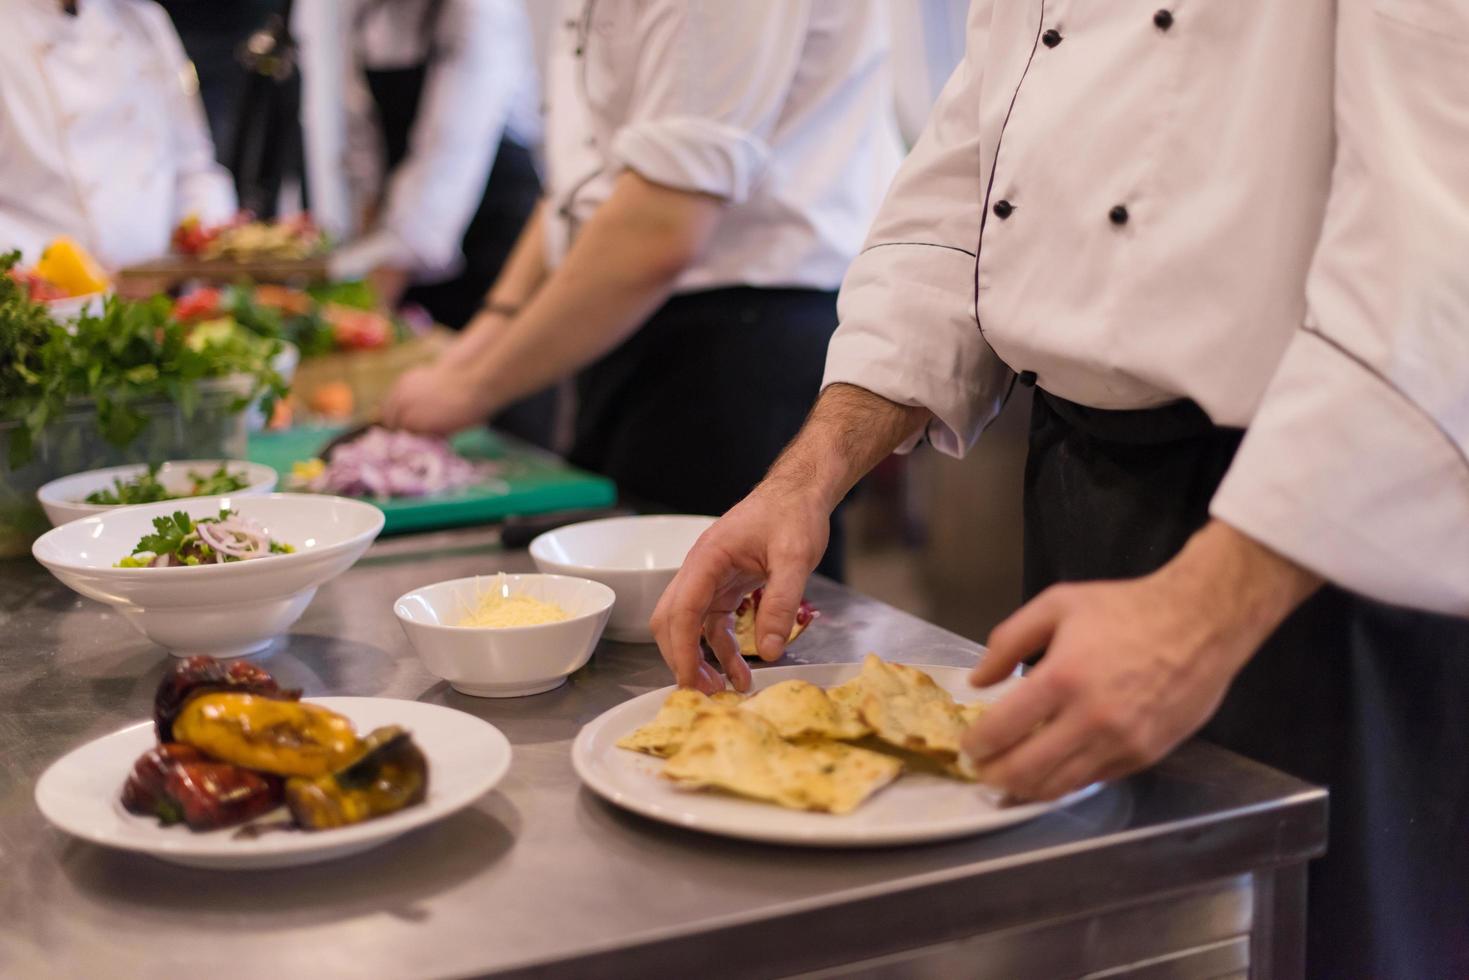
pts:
[102, 136]
[711, 171]
[481, 84]
[792, 128]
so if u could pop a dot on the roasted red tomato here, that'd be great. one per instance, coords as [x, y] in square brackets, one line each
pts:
[356, 329]
[201, 304]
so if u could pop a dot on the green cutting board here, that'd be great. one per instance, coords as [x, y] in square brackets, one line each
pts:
[532, 482]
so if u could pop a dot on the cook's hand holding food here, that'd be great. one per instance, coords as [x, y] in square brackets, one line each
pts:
[1132, 668]
[441, 398]
[771, 538]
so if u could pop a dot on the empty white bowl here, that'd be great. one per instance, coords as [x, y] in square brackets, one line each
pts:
[225, 610]
[504, 662]
[636, 556]
[65, 499]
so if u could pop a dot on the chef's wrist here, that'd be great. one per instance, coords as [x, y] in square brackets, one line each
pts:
[1240, 583]
[502, 309]
[809, 471]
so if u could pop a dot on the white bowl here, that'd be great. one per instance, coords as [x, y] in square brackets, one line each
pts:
[504, 662]
[636, 556]
[224, 610]
[74, 307]
[65, 499]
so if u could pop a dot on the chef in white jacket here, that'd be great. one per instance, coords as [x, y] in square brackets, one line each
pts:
[1226, 243]
[102, 136]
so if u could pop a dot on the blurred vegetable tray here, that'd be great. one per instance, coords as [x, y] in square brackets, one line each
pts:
[532, 481]
[368, 373]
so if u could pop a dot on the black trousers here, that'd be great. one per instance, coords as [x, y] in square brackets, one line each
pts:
[1369, 700]
[691, 411]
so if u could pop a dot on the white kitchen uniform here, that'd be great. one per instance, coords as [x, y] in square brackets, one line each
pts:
[783, 108]
[102, 136]
[1261, 206]
[482, 84]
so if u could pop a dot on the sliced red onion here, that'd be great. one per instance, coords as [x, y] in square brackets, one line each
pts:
[382, 463]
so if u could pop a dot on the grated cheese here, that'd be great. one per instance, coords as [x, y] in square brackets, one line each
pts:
[498, 609]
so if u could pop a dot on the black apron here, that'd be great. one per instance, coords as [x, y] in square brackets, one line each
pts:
[690, 411]
[1369, 700]
[212, 33]
[511, 193]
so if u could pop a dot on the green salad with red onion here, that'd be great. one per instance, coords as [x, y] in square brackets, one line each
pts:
[180, 540]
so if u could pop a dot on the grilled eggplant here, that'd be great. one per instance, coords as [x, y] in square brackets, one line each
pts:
[387, 774]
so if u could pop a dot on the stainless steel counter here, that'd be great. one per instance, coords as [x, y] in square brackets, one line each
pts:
[1193, 869]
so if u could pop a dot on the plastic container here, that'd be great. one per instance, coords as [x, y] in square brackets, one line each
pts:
[216, 429]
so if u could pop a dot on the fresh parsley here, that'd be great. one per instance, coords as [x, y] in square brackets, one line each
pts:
[129, 354]
[169, 534]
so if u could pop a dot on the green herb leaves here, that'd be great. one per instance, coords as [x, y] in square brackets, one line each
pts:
[132, 352]
[169, 534]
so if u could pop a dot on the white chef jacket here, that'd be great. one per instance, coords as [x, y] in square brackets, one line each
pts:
[1261, 206]
[482, 83]
[102, 135]
[782, 108]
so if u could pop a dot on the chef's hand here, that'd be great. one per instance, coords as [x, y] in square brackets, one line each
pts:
[439, 399]
[389, 283]
[774, 537]
[1132, 668]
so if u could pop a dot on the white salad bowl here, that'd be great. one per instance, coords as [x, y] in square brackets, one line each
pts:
[504, 662]
[635, 556]
[225, 610]
[65, 499]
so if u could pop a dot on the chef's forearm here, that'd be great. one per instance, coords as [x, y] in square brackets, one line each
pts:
[622, 266]
[849, 432]
[525, 271]
[522, 275]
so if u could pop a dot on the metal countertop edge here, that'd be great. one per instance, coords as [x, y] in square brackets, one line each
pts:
[1289, 830]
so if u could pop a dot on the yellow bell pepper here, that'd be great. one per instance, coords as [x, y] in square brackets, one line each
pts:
[286, 738]
[66, 265]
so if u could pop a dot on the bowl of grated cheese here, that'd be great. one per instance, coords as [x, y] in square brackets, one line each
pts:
[505, 636]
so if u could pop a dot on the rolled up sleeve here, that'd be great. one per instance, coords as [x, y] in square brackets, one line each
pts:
[908, 329]
[711, 82]
[1356, 464]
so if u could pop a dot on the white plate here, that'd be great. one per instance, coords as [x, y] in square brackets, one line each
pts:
[80, 792]
[914, 809]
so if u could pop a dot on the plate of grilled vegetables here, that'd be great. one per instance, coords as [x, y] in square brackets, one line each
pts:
[235, 771]
[824, 755]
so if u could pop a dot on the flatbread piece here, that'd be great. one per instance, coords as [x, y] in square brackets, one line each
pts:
[737, 751]
[799, 710]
